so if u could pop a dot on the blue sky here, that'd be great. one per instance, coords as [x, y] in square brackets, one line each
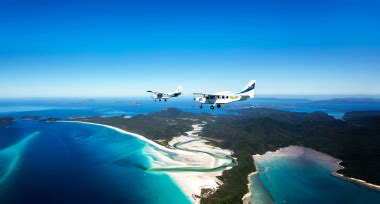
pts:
[120, 48]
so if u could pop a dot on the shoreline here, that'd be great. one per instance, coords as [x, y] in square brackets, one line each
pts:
[192, 167]
[138, 136]
[195, 181]
[354, 180]
[247, 197]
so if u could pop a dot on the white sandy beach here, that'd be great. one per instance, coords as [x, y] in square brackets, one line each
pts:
[185, 166]
[297, 151]
[191, 162]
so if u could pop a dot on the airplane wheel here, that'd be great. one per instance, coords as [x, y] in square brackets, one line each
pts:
[165, 100]
[201, 107]
[212, 107]
[218, 105]
[159, 100]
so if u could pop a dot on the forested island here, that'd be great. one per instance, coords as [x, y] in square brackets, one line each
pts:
[256, 131]
[6, 120]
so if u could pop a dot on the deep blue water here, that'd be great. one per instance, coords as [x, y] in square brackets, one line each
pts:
[71, 163]
[77, 163]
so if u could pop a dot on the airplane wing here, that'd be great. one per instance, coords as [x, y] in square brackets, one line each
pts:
[154, 92]
[210, 94]
[204, 94]
[223, 93]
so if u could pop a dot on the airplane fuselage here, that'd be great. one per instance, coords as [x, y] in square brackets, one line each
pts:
[165, 96]
[220, 99]
[224, 97]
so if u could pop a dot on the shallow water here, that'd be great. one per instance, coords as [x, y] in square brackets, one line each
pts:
[71, 163]
[304, 179]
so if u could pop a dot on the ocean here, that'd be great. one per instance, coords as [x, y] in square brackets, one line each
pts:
[78, 163]
[61, 162]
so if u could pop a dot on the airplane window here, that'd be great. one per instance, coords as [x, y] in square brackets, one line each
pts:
[222, 97]
[226, 97]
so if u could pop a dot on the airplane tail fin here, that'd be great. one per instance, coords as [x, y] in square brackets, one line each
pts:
[179, 89]
[249, 89]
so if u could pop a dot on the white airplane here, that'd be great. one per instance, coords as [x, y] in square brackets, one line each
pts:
[217, 99]
[165, 96]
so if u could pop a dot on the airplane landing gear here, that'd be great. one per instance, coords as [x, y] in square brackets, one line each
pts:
[165, 100]
[201, 107]
[159, 100]
[212, 107]
[218, 105]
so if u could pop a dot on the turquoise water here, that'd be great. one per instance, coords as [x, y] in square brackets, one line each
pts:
[71, 163]
[303, 179]
[78, 163]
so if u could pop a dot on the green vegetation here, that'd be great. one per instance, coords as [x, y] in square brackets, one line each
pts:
[256, 131]
[362, 117]
[161, 126]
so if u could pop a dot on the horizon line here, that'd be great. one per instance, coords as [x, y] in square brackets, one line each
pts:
[190, 96]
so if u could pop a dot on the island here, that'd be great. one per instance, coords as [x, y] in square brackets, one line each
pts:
[6, 121]
[259, 130]
[50, 120]
[31, 117]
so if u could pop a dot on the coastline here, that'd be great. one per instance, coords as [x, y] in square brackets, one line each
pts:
[293, 151]
[193, 166]
[195, 181]
[247, 197]
[355, 180]
[151, 142]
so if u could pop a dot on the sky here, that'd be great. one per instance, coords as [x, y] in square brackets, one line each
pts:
[123, 48]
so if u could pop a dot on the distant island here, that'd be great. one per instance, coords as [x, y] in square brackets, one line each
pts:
[258, 130]
[31, 117]
[352, 101]
[6, 121]
[50, 119]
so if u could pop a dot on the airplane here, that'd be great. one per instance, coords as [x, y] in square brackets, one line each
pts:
[217, 99]
[165, 96]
